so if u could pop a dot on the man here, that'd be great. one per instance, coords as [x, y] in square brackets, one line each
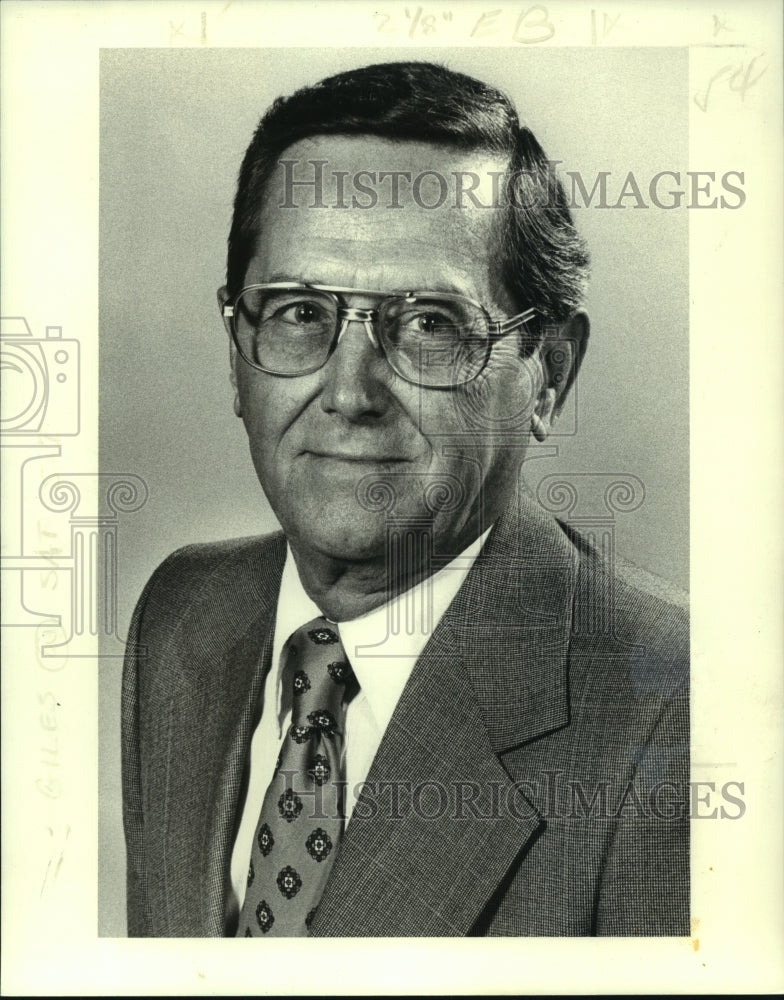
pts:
[392, 718]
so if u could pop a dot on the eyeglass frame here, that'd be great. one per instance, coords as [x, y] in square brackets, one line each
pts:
[369, 317]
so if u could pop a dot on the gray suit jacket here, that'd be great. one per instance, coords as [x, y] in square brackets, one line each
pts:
[538, 754]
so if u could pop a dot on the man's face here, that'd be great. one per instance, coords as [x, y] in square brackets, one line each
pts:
[319, 441]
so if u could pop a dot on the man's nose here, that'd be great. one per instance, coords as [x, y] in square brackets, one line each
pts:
[357, 374]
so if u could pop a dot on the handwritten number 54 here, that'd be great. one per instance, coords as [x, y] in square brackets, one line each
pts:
[741, 80]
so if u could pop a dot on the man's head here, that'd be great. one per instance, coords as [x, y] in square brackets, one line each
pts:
[544, 259]
[329, 441]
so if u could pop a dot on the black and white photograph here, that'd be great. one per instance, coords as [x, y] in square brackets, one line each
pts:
[512, 683]
[386, 517]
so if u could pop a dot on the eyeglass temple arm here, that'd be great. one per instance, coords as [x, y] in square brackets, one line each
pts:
[509, 325]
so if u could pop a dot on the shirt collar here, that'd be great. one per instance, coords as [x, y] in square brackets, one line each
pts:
[384, 644]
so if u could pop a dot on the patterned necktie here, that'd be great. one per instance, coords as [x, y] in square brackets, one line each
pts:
[301, 821]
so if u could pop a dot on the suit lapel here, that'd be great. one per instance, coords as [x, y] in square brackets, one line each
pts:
[246, 665]
[492, 676]
[512, 620]
[208, 747]
[427, 864]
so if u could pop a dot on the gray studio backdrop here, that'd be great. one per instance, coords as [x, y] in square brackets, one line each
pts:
[174, 126]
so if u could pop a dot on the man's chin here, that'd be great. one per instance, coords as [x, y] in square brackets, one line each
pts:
[348, 539]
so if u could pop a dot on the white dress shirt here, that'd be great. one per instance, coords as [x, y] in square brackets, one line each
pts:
[382, 646]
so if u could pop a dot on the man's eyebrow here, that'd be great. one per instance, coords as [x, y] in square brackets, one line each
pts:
[298, 278]
[421, 285]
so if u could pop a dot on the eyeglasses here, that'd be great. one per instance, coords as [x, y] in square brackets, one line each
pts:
[433, 339]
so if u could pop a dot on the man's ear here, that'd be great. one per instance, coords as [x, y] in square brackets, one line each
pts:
[223, 298]
[563, 350]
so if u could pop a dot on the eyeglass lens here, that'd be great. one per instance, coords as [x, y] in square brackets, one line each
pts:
[427, 340]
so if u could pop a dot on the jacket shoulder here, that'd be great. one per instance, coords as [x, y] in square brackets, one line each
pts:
[202, 558]
[638, 602]
[220, 585]
[203, 563]
[648, 584]
[649, 605]
[634, 620]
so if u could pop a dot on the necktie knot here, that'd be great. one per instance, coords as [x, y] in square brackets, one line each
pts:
[321, 679]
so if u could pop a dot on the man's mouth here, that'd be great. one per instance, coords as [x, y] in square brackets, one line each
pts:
[359, 457]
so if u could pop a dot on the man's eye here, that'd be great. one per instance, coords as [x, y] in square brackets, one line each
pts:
[432, 323]
[302, 313]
